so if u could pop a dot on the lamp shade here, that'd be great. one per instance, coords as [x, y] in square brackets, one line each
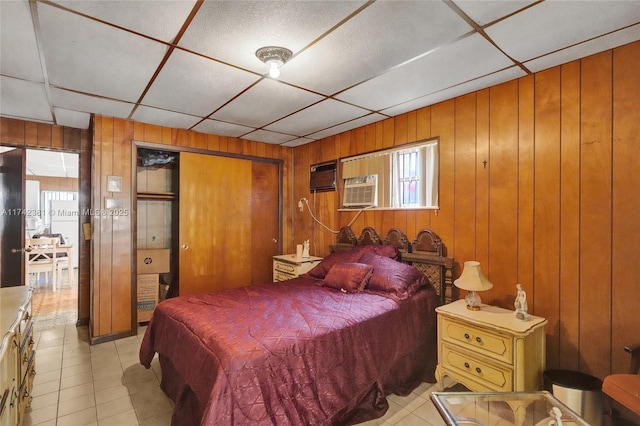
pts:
[472, 278]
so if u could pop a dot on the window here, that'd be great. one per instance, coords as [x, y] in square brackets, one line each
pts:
[406, 177]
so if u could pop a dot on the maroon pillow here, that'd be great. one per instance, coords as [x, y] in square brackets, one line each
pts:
[381, 250]
[392, 278]
[348, 277]
[353, 255]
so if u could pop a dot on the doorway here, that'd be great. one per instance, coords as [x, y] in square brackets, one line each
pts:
[50, 193]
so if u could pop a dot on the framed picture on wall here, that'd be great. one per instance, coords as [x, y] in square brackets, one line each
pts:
[114, 183]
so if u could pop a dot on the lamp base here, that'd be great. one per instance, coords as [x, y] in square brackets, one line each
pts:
[473, 301]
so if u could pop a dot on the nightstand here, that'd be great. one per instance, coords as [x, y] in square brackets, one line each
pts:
[490, 349]
[287, 266]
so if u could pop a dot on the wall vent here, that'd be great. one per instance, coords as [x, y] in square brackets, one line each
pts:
[323, 177]
[360, 191]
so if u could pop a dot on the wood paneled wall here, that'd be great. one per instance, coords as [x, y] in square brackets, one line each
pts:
[112, 236]
[51, 183]
[44, 136]
[555, 207]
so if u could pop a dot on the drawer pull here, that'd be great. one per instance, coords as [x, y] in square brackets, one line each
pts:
[466, 336]
[479, 340]
[466, 365]
[478, 370]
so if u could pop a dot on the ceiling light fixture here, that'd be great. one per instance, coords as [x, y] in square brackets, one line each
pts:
[275, 57]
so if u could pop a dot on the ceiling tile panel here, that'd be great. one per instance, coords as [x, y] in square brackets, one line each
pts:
[325, 114]
[18, 48]
[298, 142]
[266, 102]
[268, 137]
[221, 128]
[41, 162]
[164, 118]
[84, 103]
[196, 85]
[65, 117]
[382, 36]
[158, 19]
[358, 122]
[581, 50]
[553, 25]
[90, 57]
[458, 90]
[23, 99]
[486, 12]
[437, 71]
[232, 31]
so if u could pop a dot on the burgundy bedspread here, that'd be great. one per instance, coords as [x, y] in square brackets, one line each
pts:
[290, 353]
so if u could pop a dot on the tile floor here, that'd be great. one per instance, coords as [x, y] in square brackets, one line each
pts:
[104, 384]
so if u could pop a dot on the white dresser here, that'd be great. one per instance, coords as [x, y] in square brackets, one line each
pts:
[287, 266]
[17, 354]
[490, 349]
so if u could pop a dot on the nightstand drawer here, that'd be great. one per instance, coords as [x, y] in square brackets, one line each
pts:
[285, 267]
[281, 276]
[476, 368]
[499, 347]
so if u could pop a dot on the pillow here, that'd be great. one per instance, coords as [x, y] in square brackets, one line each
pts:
[348, 277]
[381, 250]
[392, 278]
[321, 269]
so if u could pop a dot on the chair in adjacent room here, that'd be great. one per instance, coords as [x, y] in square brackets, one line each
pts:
[622, 393]
[41, 257]
[64, 261]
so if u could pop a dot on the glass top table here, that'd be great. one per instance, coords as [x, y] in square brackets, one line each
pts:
[504, 409]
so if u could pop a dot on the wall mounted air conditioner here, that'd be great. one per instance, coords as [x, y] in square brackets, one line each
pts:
[360, 191]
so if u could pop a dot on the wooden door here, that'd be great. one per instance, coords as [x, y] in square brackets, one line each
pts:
[220, 235]
[12, 172]
[266, 225]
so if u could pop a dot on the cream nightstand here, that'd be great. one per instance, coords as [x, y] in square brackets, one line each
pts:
[287, 266]
[490, 349]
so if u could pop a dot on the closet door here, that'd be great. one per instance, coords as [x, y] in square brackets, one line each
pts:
[219, 238]
[265, 220]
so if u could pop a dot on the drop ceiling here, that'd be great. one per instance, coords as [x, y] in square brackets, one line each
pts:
[192, 64]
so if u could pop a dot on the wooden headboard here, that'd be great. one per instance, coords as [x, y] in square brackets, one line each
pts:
[426, 252]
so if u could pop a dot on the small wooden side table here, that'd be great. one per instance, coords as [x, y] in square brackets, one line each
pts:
[287, 266]
[490, 349]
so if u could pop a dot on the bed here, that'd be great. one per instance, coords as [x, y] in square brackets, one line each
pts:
[325, 348]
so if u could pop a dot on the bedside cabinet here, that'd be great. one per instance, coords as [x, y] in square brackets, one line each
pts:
[490, 349]
[287, 266]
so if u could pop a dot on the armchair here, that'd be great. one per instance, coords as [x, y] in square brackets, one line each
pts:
[622, 393]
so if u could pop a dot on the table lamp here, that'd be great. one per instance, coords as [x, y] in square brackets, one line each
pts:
[472, 280]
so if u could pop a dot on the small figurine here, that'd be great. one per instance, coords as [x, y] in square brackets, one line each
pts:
[521, 304]
[305, 249]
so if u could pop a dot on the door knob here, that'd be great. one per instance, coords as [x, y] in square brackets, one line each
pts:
[21, 250]
[185, 246]
[275, 240]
